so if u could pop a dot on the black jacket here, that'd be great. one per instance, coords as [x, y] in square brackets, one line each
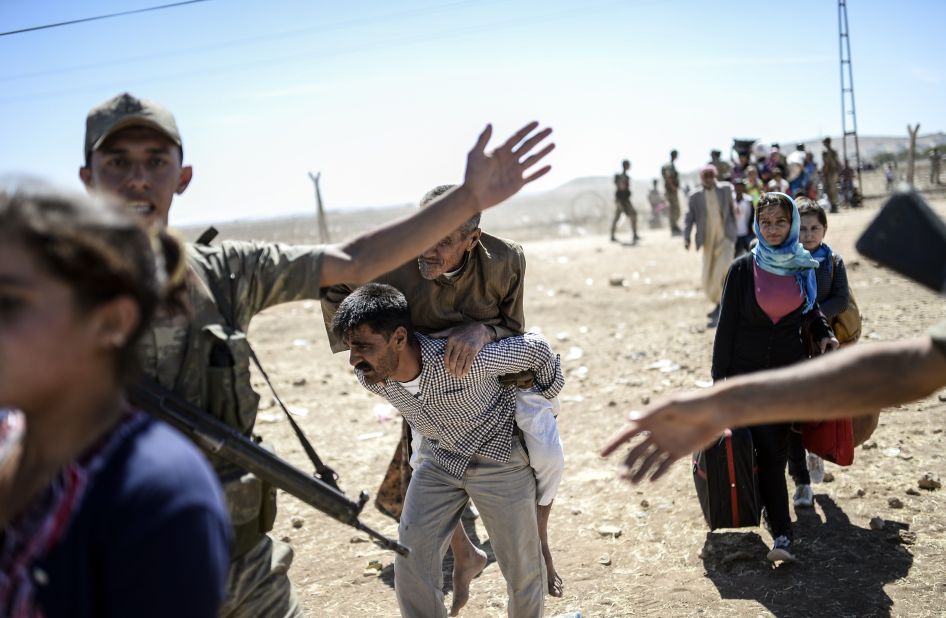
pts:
[746, 338]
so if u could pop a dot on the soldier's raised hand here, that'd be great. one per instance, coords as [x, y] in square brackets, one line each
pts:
[494, 176]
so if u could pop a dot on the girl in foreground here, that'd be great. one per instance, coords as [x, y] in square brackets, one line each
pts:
[103, 511]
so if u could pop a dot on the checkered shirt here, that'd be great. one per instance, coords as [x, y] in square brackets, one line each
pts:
[473, 415]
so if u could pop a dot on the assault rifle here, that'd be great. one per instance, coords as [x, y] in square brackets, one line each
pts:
[232, 446]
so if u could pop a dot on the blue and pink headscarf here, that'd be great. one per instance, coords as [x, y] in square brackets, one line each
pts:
[788, 258]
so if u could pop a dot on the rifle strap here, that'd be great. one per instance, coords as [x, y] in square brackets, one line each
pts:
[322, 471]
[326, 474]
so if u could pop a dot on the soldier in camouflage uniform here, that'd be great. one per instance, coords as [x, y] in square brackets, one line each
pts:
[134, 154]
[723, 169]
[622, 202]
[672, 190]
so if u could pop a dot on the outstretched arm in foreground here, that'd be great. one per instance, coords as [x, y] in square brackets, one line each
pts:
[854, 381]
[490, 178]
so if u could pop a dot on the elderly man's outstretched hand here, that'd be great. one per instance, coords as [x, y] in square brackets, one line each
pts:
[670, 429]
[492, 177]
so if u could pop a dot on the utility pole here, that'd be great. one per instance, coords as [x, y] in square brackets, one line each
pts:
[848, 111]
[319, 210]
[911, 162]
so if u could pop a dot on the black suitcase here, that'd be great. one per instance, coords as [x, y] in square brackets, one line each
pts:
[727, 481]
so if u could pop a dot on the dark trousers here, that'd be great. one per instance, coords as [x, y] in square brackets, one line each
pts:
[742, 244]
[771, 447]
[797, 462]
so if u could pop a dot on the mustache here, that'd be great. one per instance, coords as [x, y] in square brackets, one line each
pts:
[363, 366]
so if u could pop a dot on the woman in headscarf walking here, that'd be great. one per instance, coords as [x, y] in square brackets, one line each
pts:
[769, 294]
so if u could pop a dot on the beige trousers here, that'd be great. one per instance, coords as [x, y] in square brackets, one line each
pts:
[504, 494]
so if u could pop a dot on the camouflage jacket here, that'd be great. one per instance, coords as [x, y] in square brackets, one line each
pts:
[670, 176]
[205, 357]
[830, 163]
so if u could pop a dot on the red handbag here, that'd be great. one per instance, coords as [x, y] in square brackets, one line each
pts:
[830, 440]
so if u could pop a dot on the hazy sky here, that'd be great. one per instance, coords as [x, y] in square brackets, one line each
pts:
[385, 98]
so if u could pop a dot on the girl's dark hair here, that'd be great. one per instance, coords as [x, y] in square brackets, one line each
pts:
[811, 207]
[100, 251]
[768, 200]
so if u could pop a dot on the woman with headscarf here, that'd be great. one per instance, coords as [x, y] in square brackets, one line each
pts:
[103, 511]
[767, 297]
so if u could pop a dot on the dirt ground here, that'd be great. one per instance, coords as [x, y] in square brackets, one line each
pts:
[664, 562]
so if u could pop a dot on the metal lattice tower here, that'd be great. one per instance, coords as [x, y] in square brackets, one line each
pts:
[848, 111]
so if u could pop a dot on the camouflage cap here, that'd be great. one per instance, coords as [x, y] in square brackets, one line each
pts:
[123, 111]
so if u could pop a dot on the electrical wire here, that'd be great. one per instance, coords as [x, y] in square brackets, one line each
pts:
[97, 17]
[307, 58]
[254, 40]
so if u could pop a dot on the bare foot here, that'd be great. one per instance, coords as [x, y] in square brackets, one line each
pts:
[556, 587]
[464, 572]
